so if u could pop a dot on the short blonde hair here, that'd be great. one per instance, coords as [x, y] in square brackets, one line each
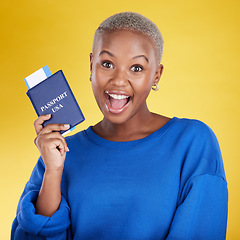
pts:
[131, 21]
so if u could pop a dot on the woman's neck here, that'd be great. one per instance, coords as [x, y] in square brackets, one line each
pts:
[135, 128]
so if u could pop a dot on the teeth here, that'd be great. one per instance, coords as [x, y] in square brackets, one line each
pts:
[115, 96]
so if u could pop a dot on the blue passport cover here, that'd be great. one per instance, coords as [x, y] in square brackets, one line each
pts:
[54, 96]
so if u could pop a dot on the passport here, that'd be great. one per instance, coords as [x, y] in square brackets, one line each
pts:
[51, 94]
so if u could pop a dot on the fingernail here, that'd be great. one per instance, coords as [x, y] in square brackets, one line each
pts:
[48, 115]
[66, 125]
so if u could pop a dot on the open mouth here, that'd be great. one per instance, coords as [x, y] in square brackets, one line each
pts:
[117, 102]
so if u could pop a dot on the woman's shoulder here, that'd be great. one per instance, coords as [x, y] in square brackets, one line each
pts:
[194, 126]
[190, 133]
[77, 137]
[184, 126]
[203, 149]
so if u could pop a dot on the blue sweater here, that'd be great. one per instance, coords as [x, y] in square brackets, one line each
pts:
[168, 185]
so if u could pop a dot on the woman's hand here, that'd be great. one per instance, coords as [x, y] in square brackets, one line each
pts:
[53, 148]
[51, 143]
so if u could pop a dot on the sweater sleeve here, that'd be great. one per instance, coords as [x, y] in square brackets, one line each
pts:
[203, 212]
[202, 206]
[27, 225]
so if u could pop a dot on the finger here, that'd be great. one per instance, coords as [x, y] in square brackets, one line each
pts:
[42, 139]
[59, 145]
[39, 121]
[54, 143]
[54, 127]
[55, 135]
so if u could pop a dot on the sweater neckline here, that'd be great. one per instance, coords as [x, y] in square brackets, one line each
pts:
[92, 136]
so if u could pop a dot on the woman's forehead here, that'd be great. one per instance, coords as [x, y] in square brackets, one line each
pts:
[123, 40]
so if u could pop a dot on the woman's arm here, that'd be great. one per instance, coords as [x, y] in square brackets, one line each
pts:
[202, 206]
[203, 212]
[49, 197]
[53, 148]
[42, 212]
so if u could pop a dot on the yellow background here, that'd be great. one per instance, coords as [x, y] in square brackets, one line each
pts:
[200, 79]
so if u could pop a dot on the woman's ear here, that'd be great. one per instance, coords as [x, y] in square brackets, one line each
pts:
[91, 58]
[158, 73]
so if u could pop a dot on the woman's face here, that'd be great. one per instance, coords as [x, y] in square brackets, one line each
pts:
[124, 68]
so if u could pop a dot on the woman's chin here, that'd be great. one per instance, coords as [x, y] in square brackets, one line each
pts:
[115, 116]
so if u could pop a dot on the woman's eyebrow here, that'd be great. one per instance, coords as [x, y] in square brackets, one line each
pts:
[110, 54]
[142, 56]
[104, 51]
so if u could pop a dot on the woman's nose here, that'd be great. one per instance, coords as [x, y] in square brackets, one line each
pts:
[120, 78]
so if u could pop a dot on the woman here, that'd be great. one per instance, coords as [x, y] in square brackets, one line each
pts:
[135, 174]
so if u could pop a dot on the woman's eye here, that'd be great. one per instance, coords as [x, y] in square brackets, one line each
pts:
[137, 68]
[107, 64]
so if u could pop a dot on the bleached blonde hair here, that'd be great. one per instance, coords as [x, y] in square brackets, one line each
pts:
[131, 21]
